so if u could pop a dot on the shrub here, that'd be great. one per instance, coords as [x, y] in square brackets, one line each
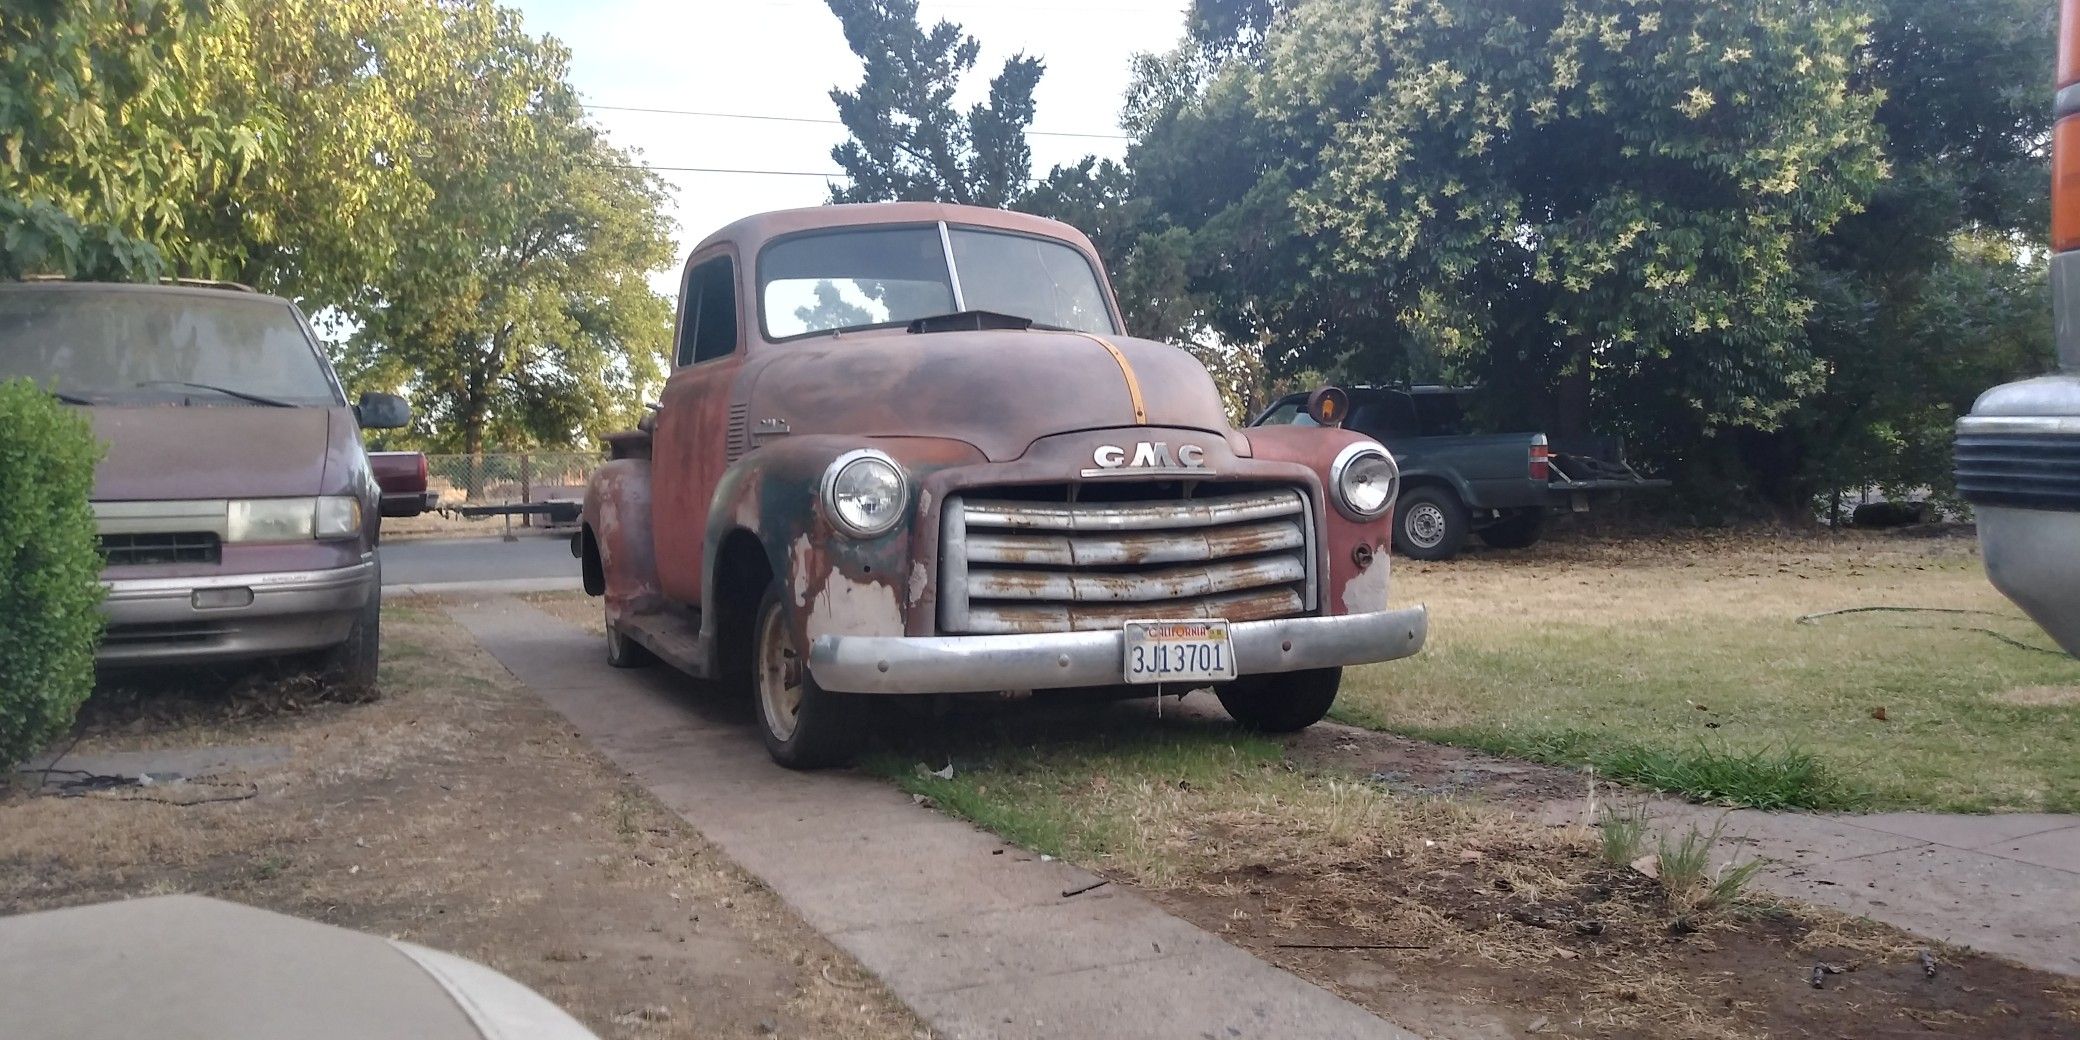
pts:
[51, 567]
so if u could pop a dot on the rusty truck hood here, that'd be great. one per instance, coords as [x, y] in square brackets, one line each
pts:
[999, 390]
[171, 452]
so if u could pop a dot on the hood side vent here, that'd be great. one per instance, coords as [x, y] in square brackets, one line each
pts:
[739, 430]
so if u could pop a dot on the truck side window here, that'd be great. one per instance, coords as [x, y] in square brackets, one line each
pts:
[708, 329]
[1390, 413]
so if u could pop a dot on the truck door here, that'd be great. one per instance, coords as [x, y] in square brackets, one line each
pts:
[690, 449]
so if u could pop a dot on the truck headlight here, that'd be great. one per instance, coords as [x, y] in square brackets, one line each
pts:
[293, 519]
[864, 492]
[1363, 481]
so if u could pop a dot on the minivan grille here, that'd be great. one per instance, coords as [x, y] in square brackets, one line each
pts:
[125, 550]
[1011, 566]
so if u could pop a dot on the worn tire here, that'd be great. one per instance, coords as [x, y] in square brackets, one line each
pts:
[350, 668]
[623, 652]
[1430, 524]
[1519, 530]
[1281, 702]
[804, 725]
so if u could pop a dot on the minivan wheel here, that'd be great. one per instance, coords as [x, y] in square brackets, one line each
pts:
[350, 668]
[1281, 702]
[804, 725]
[1430, 524]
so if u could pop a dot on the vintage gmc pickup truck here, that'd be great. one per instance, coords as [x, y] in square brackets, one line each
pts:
[906, 449]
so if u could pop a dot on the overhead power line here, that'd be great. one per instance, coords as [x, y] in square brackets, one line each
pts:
[723, 169]
[817, 121]
[833, 174]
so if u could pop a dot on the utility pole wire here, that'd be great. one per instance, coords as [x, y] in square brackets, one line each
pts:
[834, 174]
[817, 121]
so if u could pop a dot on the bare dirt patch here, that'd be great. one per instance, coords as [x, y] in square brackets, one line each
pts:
[460, 813]
[1428, 885]
[1576, 949]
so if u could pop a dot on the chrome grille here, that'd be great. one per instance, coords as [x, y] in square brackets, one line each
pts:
[1032, 566]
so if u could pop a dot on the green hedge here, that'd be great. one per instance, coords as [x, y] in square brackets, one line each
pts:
[50, 567]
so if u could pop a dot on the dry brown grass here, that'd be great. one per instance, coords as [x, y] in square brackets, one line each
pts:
[2040, 696]
[460, 813]
[574, 607]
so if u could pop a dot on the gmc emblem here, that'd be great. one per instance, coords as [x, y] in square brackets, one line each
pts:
[1150, 455]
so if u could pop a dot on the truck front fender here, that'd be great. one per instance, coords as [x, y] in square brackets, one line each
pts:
[618, 553]
[834, 584]
[1357, 568]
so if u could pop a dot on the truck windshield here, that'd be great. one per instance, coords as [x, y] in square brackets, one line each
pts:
[119, 346]
[881, 277]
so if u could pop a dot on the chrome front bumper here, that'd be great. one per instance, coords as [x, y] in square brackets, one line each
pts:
[172, 621]
[1055, 660]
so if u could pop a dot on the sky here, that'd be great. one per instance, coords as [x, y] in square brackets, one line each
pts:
[783, 57]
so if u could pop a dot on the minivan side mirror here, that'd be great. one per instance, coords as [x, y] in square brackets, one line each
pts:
[382, 412]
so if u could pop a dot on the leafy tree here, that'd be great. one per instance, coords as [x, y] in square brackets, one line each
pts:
[909, 143]
[115, 137]
[1937, 291]
[1561, 198]
[518, 313]
[320, 217]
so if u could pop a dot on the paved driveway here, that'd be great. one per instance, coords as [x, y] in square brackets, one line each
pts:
[983, 940]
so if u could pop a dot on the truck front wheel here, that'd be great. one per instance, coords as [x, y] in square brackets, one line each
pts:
[1430, 524]
[805, 726]
[1281, 702]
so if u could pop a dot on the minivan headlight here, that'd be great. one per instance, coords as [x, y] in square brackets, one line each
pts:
[338, 516]
[864, 493]
[293, 519]
[1363, 481]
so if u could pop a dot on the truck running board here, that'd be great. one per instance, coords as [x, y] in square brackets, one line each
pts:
[674, 637]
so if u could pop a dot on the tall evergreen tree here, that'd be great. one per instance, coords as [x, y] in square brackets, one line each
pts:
[909, 142]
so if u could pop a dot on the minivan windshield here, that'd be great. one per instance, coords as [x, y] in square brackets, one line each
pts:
[125, 346]
[859, 278]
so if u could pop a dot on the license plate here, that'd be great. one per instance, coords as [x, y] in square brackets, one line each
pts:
[1179, 651]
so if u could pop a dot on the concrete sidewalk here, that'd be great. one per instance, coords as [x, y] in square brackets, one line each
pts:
[979, 938]
[2008, 885]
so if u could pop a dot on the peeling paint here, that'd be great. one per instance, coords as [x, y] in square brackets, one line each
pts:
[855, 608]
[920, 582]
[1366, 591]
[800, 562]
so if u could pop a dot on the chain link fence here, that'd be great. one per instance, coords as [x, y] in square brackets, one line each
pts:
[510, 478]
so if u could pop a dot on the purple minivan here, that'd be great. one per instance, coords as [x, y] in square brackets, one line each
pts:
[235, 506]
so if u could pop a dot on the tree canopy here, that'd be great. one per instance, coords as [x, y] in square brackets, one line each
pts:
[1780, 244]
[418, 173]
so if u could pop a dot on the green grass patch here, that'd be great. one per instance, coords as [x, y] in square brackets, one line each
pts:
[1696, 678]
[1758, 778]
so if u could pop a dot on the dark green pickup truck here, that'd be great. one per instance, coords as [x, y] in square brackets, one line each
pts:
[1499, 486]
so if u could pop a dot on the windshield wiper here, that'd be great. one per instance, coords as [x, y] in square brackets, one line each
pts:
[225, 390]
